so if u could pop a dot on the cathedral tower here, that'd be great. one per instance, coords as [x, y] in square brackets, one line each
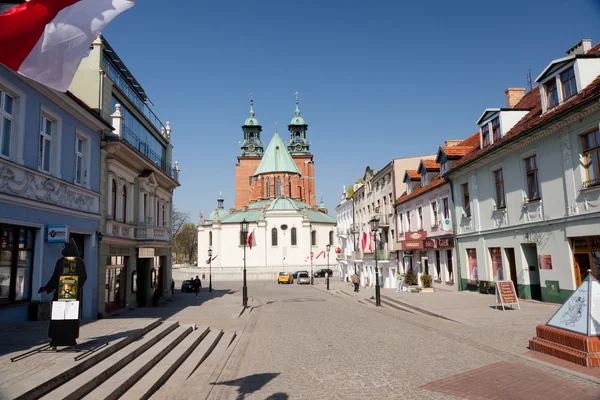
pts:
[251, 152]
[299, 148]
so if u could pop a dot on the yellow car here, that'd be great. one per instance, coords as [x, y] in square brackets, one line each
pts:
[285, 277]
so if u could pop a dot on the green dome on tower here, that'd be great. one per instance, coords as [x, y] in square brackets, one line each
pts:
[297, 120]
[251, 121]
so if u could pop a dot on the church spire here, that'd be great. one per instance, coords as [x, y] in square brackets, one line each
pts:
[297, 112]
[298, 144]
[251, 146]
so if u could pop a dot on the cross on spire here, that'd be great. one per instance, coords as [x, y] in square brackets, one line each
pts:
[276, 127]
[251, 106]
[297, 112]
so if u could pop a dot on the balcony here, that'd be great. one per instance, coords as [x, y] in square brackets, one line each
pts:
[357, 255]
[590, 184]
[118, 229]
[145, 150]
[384, 221]
[382, 255]
[151, 233]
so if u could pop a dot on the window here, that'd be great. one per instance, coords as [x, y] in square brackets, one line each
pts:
[499, 182]
[446, 209]
[124, 203]
[331, 238]
[401, 222]
[293, 238]
[408, 221]
[274, 237]
[16, 263]
[485, 136]
[278, 187]
[114, 199]
[80, 173]
[267, 188]
[531, 171]
[210, 238]
[434, 209]
[551, 94]
[156, 213]
[6, 122]
[313, 238]
[569, 85]
[420, 211]
[298, 137]
[290, 187]
[591, 155]
[438, 266]
[496, 129]
[45, 143]
[450, 272]
[466, 199]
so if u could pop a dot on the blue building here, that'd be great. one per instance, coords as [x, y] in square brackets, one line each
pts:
[49, 192]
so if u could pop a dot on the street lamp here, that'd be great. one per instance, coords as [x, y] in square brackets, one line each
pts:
[374, 228]
[312, 276]
[244, 232]
[328, 247]
[210, 270]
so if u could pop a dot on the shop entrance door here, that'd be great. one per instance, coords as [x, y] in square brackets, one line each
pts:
[510, 256]
[115, 288]
[582, 264]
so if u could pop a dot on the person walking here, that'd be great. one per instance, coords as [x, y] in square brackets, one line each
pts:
[172, 286]
[197, 285]
[356, 281]
[400, 278]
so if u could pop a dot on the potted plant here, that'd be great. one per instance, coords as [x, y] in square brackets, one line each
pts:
[426, 279]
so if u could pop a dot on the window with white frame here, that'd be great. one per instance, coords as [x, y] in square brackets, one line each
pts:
[6, 122]
[434, 214]
[400, 222]
[420, 211]
[81, 160]
[46, 128]
[408, 221]
[446, 209]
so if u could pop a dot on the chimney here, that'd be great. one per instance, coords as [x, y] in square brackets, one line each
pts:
[452, 142]
[580, 48]
[513, 96]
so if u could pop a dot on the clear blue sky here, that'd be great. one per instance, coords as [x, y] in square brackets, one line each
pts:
[377, 79]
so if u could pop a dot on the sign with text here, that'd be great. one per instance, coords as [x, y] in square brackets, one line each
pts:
[447, 242]
[506, 294]
[421, 235]
[431, 243]
[412, 244]
[545, 261]
[146, 252]
[57, 234]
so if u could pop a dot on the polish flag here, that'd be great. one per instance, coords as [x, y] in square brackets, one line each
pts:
[366, 241]
[46, 40]
[252, 239]
[370, 241]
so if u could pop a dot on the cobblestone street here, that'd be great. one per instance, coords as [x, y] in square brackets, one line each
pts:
[304, 343]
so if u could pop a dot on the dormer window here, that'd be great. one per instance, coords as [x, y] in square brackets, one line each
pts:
[569, 86]
[496, 129]
[485, 136]
[551, 94]
[444, 168]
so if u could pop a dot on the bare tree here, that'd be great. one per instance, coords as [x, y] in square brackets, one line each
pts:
[179, 219]
[186, 242]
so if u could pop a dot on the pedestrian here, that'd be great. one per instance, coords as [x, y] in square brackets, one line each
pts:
[197, 285]
[356, 281]
[400, 281]
[172, 286]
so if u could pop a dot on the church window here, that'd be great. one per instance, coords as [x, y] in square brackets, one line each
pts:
[267, 188]
[331, 238]
[298, 136]
[274, 237]
[313, 238]
[294, 240]
[290, 187]
[210, 238]
[278, 187]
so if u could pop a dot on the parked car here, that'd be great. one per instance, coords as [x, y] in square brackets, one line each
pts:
[321, 273]
[187, 286]
[303, 278]
[295, 274]
[285, 277]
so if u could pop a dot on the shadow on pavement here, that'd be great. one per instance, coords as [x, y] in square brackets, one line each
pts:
[253, 383]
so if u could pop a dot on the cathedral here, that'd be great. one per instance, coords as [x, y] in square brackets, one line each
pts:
[275, 194]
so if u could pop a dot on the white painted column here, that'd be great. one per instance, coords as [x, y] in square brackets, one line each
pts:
[142, 217]
[151, 205]
[130, 200]
[109, 200]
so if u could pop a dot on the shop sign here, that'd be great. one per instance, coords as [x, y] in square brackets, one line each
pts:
[506, 294]
[545, 261]
[412, 244]
[431, 243]
[118, 251]
[447, 242]
[421, 235]
[57, 234]
[146, 252]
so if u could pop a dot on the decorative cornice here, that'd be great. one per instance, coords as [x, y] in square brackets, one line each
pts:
[16, 180]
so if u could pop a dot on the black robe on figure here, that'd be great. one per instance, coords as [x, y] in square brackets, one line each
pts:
[64, 332]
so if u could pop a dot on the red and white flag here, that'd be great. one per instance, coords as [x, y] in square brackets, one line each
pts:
[46, 40]
[366, 243]
[252, 239]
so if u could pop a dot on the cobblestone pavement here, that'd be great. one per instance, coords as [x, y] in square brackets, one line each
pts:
[303, 343]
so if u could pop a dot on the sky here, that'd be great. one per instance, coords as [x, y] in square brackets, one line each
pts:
[377, 79]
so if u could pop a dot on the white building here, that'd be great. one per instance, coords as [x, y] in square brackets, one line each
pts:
[345, 236]
[528, 196]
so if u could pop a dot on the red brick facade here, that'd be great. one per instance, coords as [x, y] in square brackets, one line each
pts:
[569, 346]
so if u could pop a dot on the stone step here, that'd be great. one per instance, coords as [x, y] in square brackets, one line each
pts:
[60, 374]
[85, 382]
[159, 374]
[421, 310]
[181, 374]
[119, 383]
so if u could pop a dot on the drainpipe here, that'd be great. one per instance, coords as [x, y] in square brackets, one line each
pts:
[456, 248]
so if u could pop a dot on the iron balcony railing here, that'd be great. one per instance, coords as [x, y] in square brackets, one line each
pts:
[590, 183]
[145, 150]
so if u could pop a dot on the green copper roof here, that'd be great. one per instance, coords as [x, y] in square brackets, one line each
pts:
[258, 204]
[251, 121]
[276, 158]
[297, 120]
[250, 216]
[283, 203]
[318, 216]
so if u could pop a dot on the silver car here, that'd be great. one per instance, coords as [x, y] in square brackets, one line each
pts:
[303, 278]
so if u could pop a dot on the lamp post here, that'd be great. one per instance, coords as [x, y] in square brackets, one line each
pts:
[210, 270]
[328, 247]
[244, 233]
[312, 276]
[374, 228]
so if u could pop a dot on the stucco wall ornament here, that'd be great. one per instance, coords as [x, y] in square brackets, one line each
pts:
[26, 184]
[565, 144]
[587, 203]
[573, 209]
[500, 218]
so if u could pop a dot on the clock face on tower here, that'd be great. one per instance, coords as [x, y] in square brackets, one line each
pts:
[298, 147]
[251, 147]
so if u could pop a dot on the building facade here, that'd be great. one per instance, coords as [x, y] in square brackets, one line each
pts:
[137, 183]
[345, 235]
[49, 192]
[526, 196]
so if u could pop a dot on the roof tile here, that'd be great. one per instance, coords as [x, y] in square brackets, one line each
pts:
[431, 164]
